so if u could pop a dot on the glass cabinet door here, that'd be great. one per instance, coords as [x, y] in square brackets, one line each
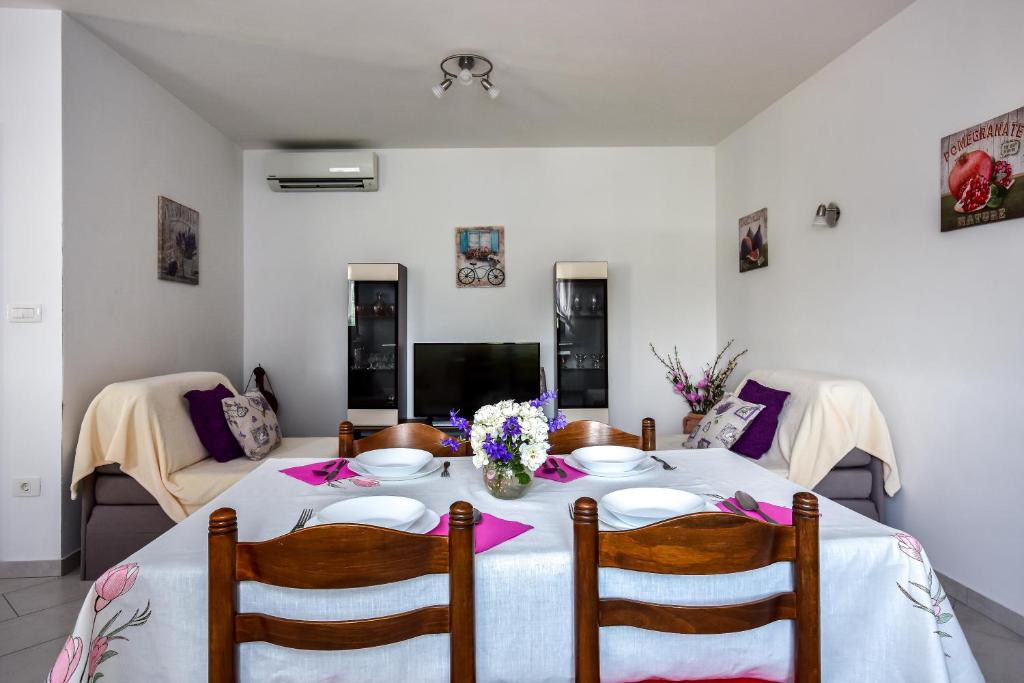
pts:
[581, 335]
[372, 344]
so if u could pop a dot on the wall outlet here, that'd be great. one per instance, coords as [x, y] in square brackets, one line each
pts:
[26, 486]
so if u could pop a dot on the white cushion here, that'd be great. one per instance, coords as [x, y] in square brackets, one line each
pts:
[724, 424]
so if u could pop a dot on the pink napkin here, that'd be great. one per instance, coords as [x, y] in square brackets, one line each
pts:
[571, 473]
[491, 530]
[305, 472]
[779, 514]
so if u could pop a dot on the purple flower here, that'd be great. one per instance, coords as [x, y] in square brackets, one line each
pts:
[679, 389]
[558, 422]
[692, 398]
[511, 428]
[546, 397]
[451, 443]
[495, 450]
[460, 423]
[702, 383]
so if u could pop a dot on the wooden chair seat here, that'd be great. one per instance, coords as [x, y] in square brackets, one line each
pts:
[706, 543]
[584, 433]
[406, 435]
[340, 556]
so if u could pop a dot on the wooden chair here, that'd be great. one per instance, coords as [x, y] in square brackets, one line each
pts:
[406, 435]
[340, 556]
[583, 433]
[699, 544]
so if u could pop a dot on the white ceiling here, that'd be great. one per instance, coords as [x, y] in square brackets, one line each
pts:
[572, 72]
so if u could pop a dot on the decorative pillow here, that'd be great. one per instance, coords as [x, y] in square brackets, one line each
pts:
[758, 438]
[724, 424]
[253, 423]
[204, 407]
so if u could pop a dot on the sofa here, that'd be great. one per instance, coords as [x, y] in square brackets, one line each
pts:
[140, 468]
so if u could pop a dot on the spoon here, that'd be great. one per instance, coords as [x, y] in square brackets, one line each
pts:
[477, 516]
[747, 502]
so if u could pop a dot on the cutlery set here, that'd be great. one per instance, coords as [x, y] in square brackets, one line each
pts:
[332, 471]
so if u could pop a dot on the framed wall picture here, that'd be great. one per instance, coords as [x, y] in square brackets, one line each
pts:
[980, 167]
[177, 242]
[480, 256]
[754, 241]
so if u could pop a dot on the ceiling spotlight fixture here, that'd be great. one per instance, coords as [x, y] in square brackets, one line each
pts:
[826, 216]
[465, 68]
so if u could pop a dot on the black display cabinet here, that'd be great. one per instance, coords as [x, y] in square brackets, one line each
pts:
[376, 344]
[581, 339]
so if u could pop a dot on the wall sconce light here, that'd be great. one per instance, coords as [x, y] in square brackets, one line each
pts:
[826, 216]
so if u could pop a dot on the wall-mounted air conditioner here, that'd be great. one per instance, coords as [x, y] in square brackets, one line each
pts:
[322, 171]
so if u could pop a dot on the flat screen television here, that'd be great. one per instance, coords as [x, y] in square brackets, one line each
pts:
[466, 376]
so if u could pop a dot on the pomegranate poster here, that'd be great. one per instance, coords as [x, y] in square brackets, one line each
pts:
[754, 241]
[980, 167]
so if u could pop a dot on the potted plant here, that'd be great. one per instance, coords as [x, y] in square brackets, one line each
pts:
[509, 442]
[703, 393]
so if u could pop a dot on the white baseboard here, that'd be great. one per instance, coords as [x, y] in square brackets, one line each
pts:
[30, 568]
[982, 604]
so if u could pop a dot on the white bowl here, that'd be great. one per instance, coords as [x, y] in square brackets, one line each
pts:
[394, 462]
[643, 506]
[390, 512]
[609, 458]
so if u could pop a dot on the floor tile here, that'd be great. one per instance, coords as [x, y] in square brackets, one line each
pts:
[1001, 660]
[6, 611]
[43, 595]
[38, 627]
[16, 584]
[31, 664]
[973, 620]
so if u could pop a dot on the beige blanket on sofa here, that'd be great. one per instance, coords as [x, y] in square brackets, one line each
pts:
[824, 419]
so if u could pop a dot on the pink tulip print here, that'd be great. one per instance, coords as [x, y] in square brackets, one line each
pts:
[67, 661]
[936, 597]
[114, 583]
[96, 652]
[908, 545]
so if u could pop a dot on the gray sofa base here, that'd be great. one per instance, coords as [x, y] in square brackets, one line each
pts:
[856, 482]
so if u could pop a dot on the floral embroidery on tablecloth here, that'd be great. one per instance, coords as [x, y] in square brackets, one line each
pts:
[911, 547]
[114, 583]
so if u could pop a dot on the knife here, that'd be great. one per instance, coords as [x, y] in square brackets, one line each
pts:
[732, 508]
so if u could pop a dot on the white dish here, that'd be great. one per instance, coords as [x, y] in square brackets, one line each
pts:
[390, 512]
[636, 507]
[609, 459]
[432, 466]
[394, 462]
[427, 522]
[644, 466]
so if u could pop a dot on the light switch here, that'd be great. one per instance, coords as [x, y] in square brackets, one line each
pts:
[24, 313]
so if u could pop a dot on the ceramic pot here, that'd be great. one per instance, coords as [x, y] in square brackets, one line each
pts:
[691, 421]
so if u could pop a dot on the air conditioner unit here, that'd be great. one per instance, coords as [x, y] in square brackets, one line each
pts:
[322, 171]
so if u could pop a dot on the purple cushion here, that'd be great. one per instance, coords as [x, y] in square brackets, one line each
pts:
[208, 419]
[757, 440]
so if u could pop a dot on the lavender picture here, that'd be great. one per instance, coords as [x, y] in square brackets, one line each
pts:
[177, 242]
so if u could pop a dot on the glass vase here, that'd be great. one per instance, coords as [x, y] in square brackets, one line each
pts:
[502, 482]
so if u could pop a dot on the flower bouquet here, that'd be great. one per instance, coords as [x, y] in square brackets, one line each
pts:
[703, 393]
[509, 442]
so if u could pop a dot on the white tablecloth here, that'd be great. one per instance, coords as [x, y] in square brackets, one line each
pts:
[879, 621]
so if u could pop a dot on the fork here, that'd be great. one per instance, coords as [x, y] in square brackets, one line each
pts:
[664, 465]
[572, 515]
[444, 472]
[306, 515]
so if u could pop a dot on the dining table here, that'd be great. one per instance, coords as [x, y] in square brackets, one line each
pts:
[884, 616]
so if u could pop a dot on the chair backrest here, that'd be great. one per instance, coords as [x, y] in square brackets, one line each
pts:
[699, 544]
[405, 435]
[340, 556]
[583, 433]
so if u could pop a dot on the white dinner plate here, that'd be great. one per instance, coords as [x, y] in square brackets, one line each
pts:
[645, 466]
[390, 512]
[642, 506]
[432, 466]
[427, 522]
[393, 462]
[609, 459]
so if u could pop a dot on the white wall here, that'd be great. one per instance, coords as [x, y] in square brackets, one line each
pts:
[30, 248]
[126, 142]
[931, 322]
[648, 211]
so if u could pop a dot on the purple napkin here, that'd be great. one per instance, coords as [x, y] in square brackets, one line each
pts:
[571, 473]
[779, 514]
[305, 472]
[491, 530]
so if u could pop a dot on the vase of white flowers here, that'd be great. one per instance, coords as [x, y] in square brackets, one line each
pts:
[509, 442]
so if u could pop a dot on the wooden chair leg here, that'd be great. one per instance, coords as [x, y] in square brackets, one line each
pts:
[223, 539]
[588, 663]
[807, 583]
[461, 602]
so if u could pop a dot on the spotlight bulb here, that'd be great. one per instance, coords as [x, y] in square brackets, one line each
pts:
[441, 88]
[465, 77]
[491, 90]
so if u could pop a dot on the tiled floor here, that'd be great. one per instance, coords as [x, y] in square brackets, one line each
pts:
[37, 614]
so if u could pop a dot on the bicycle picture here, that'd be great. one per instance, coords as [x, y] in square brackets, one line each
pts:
[492, 272]
[479, 256]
